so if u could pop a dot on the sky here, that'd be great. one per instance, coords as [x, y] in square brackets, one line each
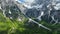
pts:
[29, 1]
[21, 0]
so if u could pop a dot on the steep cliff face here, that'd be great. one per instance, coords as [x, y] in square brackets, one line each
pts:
[43, 10]
[9, 9]
[48, 10]
[35, 11]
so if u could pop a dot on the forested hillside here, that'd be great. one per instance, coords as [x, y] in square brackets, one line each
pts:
[8, 26]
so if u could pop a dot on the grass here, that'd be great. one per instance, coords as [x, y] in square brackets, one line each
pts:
[18, 27]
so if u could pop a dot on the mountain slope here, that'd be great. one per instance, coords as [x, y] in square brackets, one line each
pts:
[17, 18]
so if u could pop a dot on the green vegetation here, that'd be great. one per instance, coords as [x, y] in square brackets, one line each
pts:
[8, 26]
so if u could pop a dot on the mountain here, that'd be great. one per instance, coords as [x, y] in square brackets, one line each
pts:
[42, 16]
[43, 10]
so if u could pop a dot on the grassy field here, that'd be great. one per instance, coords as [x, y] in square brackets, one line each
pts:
[8, 26]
